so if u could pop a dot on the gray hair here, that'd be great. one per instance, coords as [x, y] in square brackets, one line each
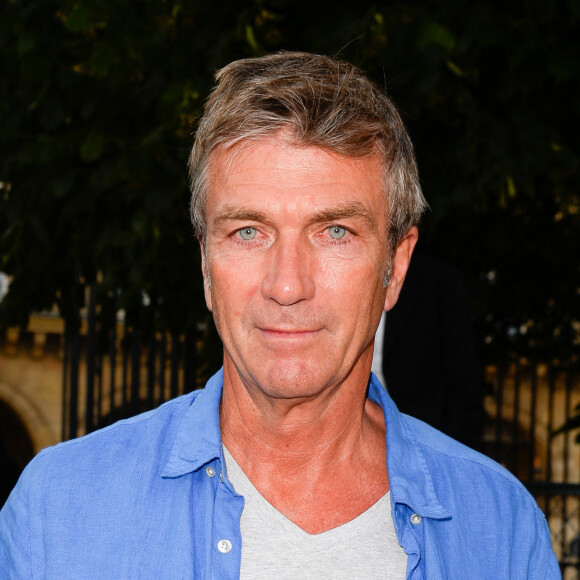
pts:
[326, 103]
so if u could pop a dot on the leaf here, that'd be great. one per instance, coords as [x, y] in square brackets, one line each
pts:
[92, 147]
[62, 184]
[251, 39]
[432, 33]
[79, 19]
[25, 44]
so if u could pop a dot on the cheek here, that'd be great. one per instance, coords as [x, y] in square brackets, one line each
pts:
[334, 272]
[353, 286]
[351, 277]
[233, 285]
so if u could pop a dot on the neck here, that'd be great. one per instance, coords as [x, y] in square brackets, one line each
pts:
[297, 451]
[294, 430]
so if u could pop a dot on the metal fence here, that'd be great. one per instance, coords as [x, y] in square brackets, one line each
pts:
[525, 405]
[124, 372]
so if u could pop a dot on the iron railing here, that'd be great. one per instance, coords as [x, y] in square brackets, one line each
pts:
[526, 402]
[126, 373]
[526, 405]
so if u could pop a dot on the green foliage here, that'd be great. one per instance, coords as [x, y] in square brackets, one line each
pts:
[99, 101]
[98, 108]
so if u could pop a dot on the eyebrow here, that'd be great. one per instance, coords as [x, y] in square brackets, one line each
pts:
[344, 210]
[340, 211]
[231, 213]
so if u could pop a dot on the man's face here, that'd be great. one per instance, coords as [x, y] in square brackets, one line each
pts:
[295, 257]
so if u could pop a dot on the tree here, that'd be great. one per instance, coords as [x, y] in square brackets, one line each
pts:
[99, 104]
[100, 100]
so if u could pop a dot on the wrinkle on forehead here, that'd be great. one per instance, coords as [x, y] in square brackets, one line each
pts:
[223, 158]
[259, 179]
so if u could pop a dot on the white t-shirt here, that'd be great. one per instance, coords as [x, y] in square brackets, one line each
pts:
[275, 547]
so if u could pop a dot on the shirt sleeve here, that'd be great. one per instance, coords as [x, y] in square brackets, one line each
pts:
[16, 529]
[547, 567]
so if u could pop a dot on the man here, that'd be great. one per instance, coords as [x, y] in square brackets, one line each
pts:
[293, 462]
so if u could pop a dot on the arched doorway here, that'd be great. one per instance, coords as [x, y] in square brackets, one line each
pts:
[16, 449]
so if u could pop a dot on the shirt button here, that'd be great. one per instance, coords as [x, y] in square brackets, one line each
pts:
[210, 471]
[416, 519]
[224, 546]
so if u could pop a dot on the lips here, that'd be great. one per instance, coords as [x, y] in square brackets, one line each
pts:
[289, 332]
[288, 336]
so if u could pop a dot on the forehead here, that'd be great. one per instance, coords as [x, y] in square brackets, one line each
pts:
[277, 170]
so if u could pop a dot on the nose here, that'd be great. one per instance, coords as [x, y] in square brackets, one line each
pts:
[288, 278]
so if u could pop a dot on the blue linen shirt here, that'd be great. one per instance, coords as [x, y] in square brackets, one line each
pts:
[148, 497]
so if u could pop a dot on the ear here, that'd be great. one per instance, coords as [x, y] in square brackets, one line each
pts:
[206, 278]
[401, 259]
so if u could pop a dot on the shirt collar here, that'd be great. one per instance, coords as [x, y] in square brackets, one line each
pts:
[410, 480]
[199, 441]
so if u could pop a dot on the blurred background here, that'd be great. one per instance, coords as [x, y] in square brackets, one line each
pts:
[101, 305]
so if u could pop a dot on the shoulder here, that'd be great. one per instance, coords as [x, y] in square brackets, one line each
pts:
[490, 515]
[447, 457]
[142, 442]
[471, 486]
[97, 492]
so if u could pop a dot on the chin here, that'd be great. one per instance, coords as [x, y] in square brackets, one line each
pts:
[294, 379]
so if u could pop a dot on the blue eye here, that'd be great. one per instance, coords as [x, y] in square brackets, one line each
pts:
[248, 233]
[337, 232]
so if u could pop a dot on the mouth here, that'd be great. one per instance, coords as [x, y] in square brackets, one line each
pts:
[288, 333]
